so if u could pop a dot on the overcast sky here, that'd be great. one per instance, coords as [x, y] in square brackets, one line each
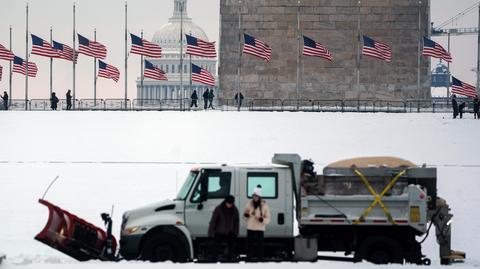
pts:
[107, 16]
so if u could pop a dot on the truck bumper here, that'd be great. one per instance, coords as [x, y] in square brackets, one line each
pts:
[130, 246]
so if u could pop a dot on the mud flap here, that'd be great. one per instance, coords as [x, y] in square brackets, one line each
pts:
[74, 236]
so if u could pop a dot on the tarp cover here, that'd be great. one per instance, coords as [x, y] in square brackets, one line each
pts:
[366, 162]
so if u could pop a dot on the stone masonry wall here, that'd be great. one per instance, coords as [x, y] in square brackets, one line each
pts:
[334, 24]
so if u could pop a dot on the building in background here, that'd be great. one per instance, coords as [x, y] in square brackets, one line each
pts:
[168, 37]
[334, 24]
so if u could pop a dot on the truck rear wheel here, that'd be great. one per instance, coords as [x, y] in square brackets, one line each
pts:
[379, 250]
[164, 245]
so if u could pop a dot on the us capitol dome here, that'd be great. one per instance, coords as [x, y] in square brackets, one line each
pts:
[168, 38]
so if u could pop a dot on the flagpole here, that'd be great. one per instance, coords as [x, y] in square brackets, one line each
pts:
[419, 49]
[298, 50]
[478, 53]
[95, 71]
[74, 57]
[142, 66]
[126, 56]
[51, 63]
[181, 54]
[359, 39]
[190, 67]
[26, 60]
[448, 67]
[10, 78]
[239, 52]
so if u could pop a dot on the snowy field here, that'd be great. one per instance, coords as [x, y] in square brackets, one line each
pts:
[129, 159]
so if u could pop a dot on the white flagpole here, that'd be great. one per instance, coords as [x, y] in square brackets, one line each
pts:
[359, 41]
[142, 71]
[478, 53]
[95, 71]
[26, 60]
[239, 52]
[181, 54]
[419, 47]
[51, 63]
[126, 57]
[298, 50]
[10, 78]
[74, 58]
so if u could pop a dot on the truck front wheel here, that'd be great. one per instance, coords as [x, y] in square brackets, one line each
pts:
[379, 250]
[164, 245]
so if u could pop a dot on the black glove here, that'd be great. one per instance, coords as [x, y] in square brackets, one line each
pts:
[246, 215]
[260, 219]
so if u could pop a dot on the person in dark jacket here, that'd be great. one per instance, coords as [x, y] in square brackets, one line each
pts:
[476, 106]
[454, 106]
[5, 100]
[210, 99]
[69, 100]
[224, 227]
[53, 101]
[238, 102]
[205, 99]
[461, 107]
[194, 98]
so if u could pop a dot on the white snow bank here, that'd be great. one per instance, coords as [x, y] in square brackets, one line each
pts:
[138, 158]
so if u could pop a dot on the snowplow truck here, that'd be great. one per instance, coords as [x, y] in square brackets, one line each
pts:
[371, 209]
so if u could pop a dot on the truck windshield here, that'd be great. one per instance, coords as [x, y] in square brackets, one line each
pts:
[182, 194]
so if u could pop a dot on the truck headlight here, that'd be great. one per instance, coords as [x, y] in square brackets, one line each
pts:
[131, 230]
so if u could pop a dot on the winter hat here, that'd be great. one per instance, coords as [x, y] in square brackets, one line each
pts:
[257, 191]
[230, 199]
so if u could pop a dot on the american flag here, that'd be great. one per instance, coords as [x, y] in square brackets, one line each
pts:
[6, 54]
[462, 88]
[153, 72]
[64, 51]
[19, 66]
[202, 76]
[43, 48]
[91, 48]
[431, 48]
[108, 71]
[376, 49]
[198, 47]
[145, 47]
[312, 48]
[256, 47]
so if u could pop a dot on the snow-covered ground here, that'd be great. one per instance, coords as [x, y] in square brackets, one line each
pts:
[128, 159]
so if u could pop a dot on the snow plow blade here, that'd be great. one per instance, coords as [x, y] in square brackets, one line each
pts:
[74, 236]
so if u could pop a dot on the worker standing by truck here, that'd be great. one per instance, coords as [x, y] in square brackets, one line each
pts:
[224, 226]
[257, 215]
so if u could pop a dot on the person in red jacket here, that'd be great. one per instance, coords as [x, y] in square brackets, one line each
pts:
[224, 226]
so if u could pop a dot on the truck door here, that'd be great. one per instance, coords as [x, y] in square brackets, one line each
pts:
[210, 190]
[274, 192]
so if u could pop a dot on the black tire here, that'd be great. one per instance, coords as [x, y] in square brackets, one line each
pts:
[167, 244]
[379, 250]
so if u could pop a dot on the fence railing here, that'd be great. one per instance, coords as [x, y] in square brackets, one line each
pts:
[434, 105]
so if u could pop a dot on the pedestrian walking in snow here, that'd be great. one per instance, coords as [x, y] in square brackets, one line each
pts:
[257, 215]
[69, 100]
[454, 106]
[210, 99]
[5, 100]
[194, 98]
[205, 99]
[224, 226]
[237, 101]
[461, 107]
[476, 106]
[53, 101]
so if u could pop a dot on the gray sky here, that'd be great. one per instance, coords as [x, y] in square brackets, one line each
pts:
[108, 17]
